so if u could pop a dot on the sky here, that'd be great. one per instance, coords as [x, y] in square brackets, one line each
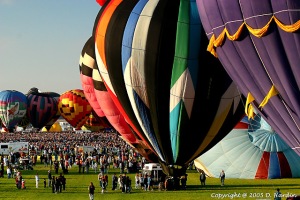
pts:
[41, 43]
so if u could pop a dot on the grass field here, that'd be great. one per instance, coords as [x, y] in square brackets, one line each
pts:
[77, 184]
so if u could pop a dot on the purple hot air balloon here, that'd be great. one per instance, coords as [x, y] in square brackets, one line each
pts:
[258, 44]
[55, 96]
[41, 109]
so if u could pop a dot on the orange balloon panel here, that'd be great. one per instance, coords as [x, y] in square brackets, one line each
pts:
[74, 107]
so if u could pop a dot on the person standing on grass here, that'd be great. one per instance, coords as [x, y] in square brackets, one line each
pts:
[114, 182]
[91, 189]
[222, 177]
[63, 182]
[37, 179]
[202, 178]
[137, 180]
[49, 179]
[277, 195]
[8, 171]
[53, 184]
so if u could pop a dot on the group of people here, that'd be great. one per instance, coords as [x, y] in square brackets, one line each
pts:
[58, 183]
[203, 176]
[144, 182]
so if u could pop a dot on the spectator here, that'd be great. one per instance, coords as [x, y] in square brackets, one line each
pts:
[49, 178]
[114, 181]
[8, 171]
[91, 189]
[277, 195]
[202, 177]
[23, 184]
[45, 183]
[37, 179]
[222, 177]
[183, 180]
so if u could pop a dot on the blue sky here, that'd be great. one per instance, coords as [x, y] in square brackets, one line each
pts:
[41, 42]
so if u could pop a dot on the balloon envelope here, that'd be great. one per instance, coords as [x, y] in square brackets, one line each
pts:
[255, 152]
[54, 128]
[258, 44]
[41, 109]
[103, 105]
[152, 58]
[55, 96]
[13, 106]
[74, 107]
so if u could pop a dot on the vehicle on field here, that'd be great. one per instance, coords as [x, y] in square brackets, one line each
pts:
[155, 171]
[14, 147]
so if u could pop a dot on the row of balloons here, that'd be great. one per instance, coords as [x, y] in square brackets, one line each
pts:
[42, 109]
[147, 69]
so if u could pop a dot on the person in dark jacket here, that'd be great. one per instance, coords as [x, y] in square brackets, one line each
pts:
[53, 184]
[91, 189]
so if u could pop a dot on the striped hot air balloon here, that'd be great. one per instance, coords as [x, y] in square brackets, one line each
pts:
[153, 62]
[13, 107]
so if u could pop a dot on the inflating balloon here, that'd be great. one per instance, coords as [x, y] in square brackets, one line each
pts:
[252, 150]
[41, 109]
[152, 59]
[93, 124]
[97, 95]
[54, 128]
[74, 108]
[258, 44]
[24, 122]
[13, 106]
[55, 96]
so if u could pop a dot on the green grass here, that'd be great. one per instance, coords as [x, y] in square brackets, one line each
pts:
[77, 184]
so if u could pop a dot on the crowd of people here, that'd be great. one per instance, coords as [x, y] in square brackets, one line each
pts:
[67, 148]
[60, 151]
[64, 149]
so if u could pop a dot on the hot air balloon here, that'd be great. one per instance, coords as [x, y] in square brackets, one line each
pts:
[55, 96]
[54, 128]
[74, 107]
[33, 90]
[41, 109]
[257, 43]
[152, 59]
[92, 124]
[252, 150]
[86, 67]
[13, 105]
[103, 105]
[24, 122]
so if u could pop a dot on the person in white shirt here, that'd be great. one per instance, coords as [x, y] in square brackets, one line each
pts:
[8, 171]
[37, 179]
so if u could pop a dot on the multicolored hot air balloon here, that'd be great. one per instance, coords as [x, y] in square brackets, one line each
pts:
[55, 96]
[153, 62]
[258, 44]
[74, 108]
[92, 124]
[103, 105]
[13, 106]
[24, 122]
[41, 109]
[252, 150]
